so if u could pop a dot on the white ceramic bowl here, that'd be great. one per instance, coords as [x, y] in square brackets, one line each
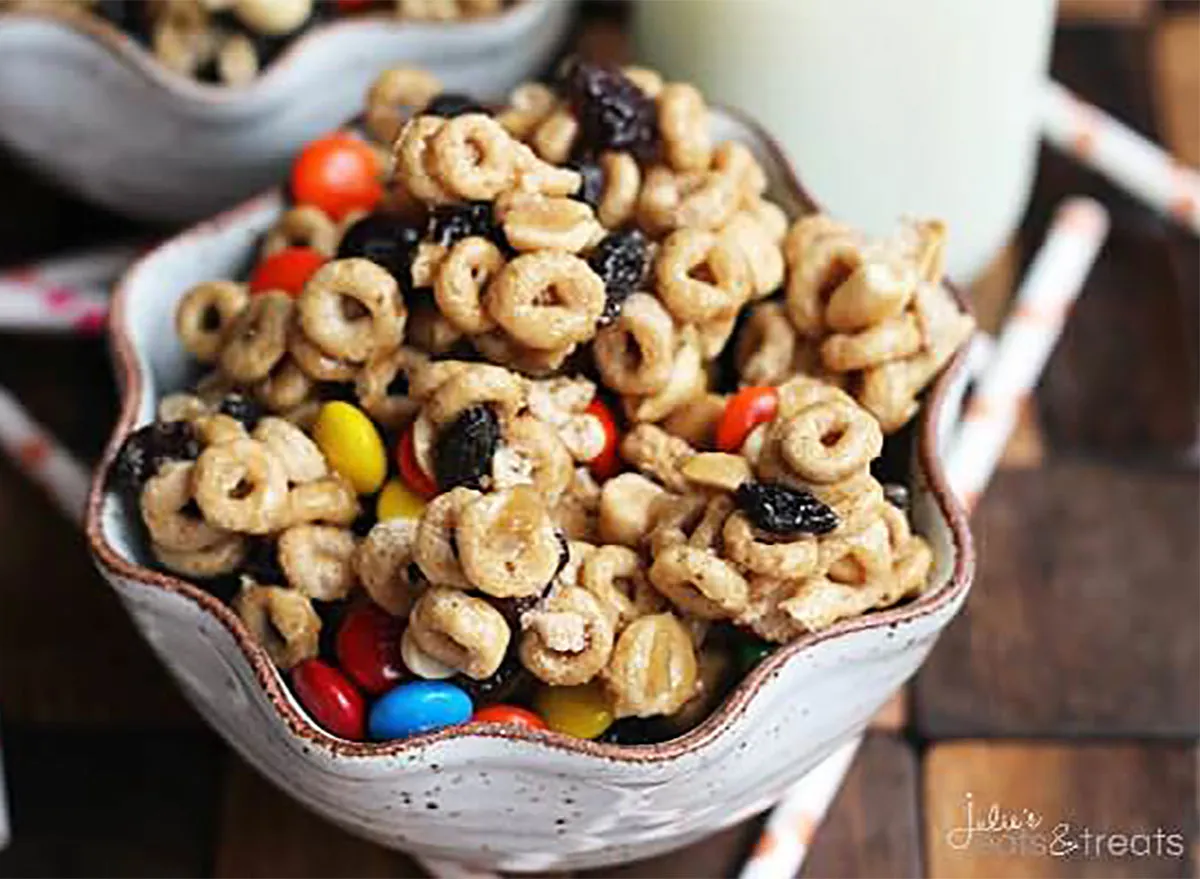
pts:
[93, 109]
[508, 799]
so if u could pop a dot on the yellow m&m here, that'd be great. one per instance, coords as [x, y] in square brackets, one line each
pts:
[582, 712]
[398, 501]
[351, 444]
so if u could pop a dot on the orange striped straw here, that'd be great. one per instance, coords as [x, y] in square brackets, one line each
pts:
[1134, 163]
[1043, 303]
[66, 294]
[42, 458]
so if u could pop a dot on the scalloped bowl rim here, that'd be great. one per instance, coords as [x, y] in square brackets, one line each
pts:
[271, 680]
[137, 57]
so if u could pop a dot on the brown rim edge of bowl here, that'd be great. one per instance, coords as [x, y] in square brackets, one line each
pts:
[130, 381]
[137, 57]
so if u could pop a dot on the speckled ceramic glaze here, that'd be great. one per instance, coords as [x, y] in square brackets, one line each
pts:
[512, 800]
[93, 109]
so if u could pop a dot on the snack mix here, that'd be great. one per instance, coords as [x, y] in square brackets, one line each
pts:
[230, 42]
[543, 414]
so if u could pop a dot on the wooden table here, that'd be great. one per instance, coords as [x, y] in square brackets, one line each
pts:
[1068, 687]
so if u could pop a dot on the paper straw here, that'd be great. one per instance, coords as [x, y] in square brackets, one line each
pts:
[65, 294]
[1055, 278]
[789, 830]
[1118, 152]
[95, 268]
[42, 458]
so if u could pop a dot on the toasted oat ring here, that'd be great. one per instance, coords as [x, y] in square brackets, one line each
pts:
[622, 183]
[770, 217]
[480, 384]
[698, 582]
[653, 668]
[508, 544]
[688, 381]
[766, 346]
[910, 569]
[695, 200]
[223, 557]
[569, 641]
[426, 376]
[617, 576]
[855, 500]
[182, 38]
[285, 387]
[828, 442]
[473, 157]
[303, 226]
[712, 336]
[301, 459]
[437, 548]
[240, 486]
[694, 519]
[324, 309]
[428, 330]
[281, 620]
[801, 391]
[215, 428]
[318, 560]
[182, 407]
[165, 501]
[331, 500]
[857, 558]
[206, 313]
[528, 104]
[555, 136]
[384, 565]
[821, 254]
[499, 348]
[394, 96]
[877, 290]
[791, 559]
[460, 630]
[414, 165]
[315, 363]
[538, 222]
[547, 300]
[464, 274]
[635, 353]
[701, 277]
[763, 256]
[541, 178]
[891, 339]
[384, 386]
[258, 337]
[683, 122]
[533, 454]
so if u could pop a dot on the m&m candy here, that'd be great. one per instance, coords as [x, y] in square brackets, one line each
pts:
[418, 707]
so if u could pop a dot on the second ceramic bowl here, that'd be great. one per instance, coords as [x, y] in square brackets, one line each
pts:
[501, 797]
[95, 111]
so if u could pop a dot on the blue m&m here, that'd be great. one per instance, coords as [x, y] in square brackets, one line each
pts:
[418, 707]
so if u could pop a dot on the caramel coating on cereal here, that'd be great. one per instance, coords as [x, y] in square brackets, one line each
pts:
[636, 352]
[507, 543]
[696, 423]
[223, 557]
[394, 96]
[460, 630]
[763, 256]
[384, 386]
[240, 486]
[331, 500]
[257, 339]
[351, 309]
[876, 291]
[384, 564]
[766, 346]
[617, 576]
[285, 387]
[462, 277]
[683, 123]
[653, 668]
[215, 428]
[701, 276]
[567, 641]
[890, 339]
[318, 560]
[206, 313]
[281, 620]
[303, 226]
[828, 442]
[821, 254]
[414, 167]
[301, 459]
[699, 582]
[479, 384]
[555, 136]
[474, 157]
[165, 502]
[533, 454]
[437, 549]
[656, 452]
[687, 382]
[767, 555]
[622, 184]
[547, 299]
[537, 222]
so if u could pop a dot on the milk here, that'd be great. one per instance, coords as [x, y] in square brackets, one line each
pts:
[886, 107]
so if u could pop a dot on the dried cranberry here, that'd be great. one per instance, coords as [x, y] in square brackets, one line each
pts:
[149, 447]
[464, 450]
[620, 261]
[455, 222]
[779, 509]
[449, 104]
[591, 190]
[386, 240]
[613, 113]
[241, 408]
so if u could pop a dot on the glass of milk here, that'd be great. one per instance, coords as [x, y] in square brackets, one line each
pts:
[886, 107]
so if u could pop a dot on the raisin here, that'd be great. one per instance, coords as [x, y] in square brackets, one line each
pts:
[453, 223]
[613, 113]
[149, 447]
[463, 455]
[897, 495]
[241, 408]
[637, 731]
[620, 261]
[398, 386]
[500, 687]
[512, 608]
[386, 240]
[450, 104]
[262, 563]
[591, 190]
[779, 509]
